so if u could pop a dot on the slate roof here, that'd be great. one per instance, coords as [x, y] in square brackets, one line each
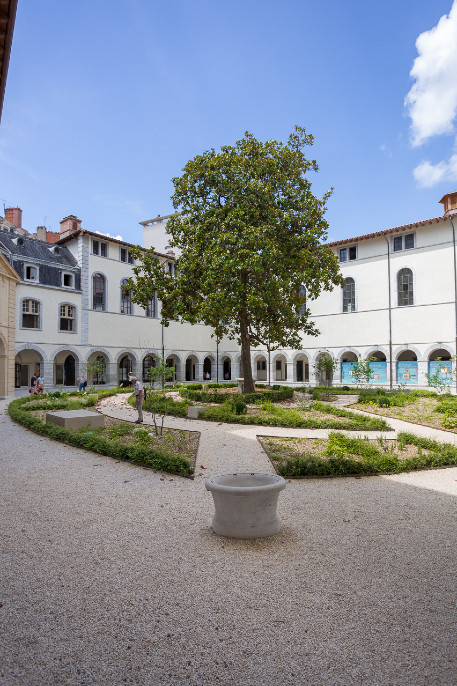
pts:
[33, 249]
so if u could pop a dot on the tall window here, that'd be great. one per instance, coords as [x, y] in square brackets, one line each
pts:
[148, 363]
[30, 314]
[151, 307]
[99, 292]
[405, 287]
[349, 295]
[302, 309]
[67, 318]
[126, 299]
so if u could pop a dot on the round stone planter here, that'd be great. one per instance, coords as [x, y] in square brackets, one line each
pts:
[245, 504]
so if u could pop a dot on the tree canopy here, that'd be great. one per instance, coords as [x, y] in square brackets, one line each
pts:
[251, 235]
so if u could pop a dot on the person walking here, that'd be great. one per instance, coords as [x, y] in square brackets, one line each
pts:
[138, 389]
[82, 382]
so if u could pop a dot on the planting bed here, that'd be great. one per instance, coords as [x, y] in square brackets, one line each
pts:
[340, 455]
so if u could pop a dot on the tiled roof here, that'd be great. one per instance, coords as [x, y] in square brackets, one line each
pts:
[395, 229]
[101, 236]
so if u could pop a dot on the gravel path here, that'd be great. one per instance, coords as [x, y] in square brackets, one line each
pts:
[111, 574]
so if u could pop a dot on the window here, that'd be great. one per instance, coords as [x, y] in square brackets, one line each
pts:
[405, 242]
[348, 253]
[130, 258]
[151, 307]
[30, 314]
[98, 292]
[31, 273]
[67, 318]
[99, 248]
[302, 308]
[405, 287]
[349, 295]
[126, 299]
[123, 255]
[148, 363]
[171, 268]
[67, 280]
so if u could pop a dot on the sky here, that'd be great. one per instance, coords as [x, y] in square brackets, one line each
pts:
[106, 101]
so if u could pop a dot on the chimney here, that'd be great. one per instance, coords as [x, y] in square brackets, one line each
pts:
[69, 225]
[13, 215]
[41, 233]
[450, 203]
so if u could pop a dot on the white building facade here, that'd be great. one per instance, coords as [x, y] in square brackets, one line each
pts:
[399, 306]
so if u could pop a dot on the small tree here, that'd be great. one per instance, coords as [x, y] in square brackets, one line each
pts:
[159, 374]
[95, 369]
[362, 370]
[441, 382]
[325, 367]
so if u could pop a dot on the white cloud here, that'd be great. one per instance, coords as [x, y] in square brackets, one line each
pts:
[432, 100]
[428, 174]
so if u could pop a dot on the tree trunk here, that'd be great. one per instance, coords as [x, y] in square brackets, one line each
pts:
[246, 353]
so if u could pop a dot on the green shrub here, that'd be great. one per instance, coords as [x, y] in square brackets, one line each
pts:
[383, 401]
[240, 407]
[347, 456]
[91, 440]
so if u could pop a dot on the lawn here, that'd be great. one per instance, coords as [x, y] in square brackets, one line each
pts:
[340, 455]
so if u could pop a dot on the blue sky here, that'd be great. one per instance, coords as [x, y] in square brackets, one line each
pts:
[107, 100]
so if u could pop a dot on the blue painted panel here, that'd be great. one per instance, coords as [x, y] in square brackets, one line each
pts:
[444, 368]
[347, 370]
[407, 372]
[379, 372]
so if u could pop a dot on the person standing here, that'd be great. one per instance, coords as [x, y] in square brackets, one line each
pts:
[40, 385]
[138, 389]
[33, 384]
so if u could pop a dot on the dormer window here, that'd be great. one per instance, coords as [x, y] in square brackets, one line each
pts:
[68, 280]
[31, 273]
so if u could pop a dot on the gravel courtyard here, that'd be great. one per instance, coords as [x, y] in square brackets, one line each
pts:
[111, 573]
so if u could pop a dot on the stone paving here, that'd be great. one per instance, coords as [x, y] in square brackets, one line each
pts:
[111, 574]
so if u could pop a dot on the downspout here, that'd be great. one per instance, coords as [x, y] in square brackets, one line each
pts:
[217, 360]
[390, 312]
[455, 288]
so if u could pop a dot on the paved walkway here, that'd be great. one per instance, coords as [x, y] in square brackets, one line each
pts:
[111, 574]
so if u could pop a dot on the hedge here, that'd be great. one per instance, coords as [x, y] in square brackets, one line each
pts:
[150, 457]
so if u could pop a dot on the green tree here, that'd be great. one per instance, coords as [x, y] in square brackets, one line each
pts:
[250, 234]
[159, 373]
[362, 370]
[324, 368]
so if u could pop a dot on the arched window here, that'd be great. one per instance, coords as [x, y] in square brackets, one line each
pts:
[405, 287]
[148, 363]
[349, 295]
[126, 299]
[99, 292]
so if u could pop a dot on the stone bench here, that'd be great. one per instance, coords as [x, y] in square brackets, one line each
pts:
[194, 411]
[75, 419]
